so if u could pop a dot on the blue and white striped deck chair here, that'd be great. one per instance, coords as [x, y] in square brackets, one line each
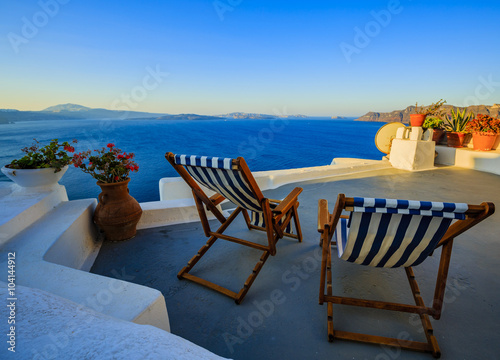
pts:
[392, 233]
[231, 179]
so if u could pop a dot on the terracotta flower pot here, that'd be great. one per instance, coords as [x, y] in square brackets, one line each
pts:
[455, 139]
[417, 119]
[117, 213]
[437, 135]
[483, 141]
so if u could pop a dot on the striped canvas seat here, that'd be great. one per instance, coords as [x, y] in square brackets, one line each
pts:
[394, 233]
[391, 233]
[257, 219]
[218, 175]
[232, 180]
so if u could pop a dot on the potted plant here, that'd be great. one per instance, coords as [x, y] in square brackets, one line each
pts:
[484, 129]
[456, 127]
[117, 213]
[41, 166]
[421, 112]
[436, 125]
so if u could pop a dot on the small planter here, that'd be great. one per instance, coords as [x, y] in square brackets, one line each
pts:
[437, 135]
[34, 178]
[117, 213]
[455, 139]
[483, 141]
[417, 119]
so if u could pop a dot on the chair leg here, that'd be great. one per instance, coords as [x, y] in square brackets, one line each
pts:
[329, 291]
[424, 318]
[191, 263]
[430, 346]
[238, 297]
[331, 334]
[296, 221]
[210, 242]
[252, 277]
[247, 219]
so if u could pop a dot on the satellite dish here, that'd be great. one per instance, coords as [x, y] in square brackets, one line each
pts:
[385, 135]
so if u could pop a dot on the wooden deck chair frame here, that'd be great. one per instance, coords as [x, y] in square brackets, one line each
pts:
[327, 224]
[277, 217]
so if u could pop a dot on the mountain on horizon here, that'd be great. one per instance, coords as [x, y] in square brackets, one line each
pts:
[72, 112]
[67, 107]
[404, 115]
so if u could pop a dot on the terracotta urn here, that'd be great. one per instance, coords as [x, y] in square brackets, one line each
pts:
[417, 119]
[483, 141]
[117, 213]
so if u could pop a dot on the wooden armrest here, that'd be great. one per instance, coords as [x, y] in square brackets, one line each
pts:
[288, 202]
[217, 198]
[323, 215]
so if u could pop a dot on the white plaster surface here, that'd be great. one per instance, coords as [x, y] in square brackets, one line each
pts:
[412, 154]
[169, 212]
[51, 327]
[20, 208]
[488, 161]
[55, 245]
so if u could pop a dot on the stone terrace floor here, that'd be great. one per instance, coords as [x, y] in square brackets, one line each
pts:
[295, 326]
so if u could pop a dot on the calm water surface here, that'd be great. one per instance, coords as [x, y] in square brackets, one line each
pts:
[265, 145]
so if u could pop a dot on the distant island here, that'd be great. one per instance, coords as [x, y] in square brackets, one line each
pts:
[70, 112]
[187, 117]
[74, 111]
[404, 115]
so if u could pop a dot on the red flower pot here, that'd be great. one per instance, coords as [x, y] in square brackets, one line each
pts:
[417, 119]
[455, 139]
[437, 134]
[483, 141]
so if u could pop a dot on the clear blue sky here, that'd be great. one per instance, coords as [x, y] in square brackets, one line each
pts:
[295, 57]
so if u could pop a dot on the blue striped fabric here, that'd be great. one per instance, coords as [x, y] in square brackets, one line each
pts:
[411, 207]
[395, 237]
[204, 161]
[257, 219]
[217, 175]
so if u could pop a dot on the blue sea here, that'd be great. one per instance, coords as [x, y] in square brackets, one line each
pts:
[265, 145]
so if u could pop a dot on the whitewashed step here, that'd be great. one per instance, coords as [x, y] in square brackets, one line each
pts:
[21, 208]
[54, 253]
